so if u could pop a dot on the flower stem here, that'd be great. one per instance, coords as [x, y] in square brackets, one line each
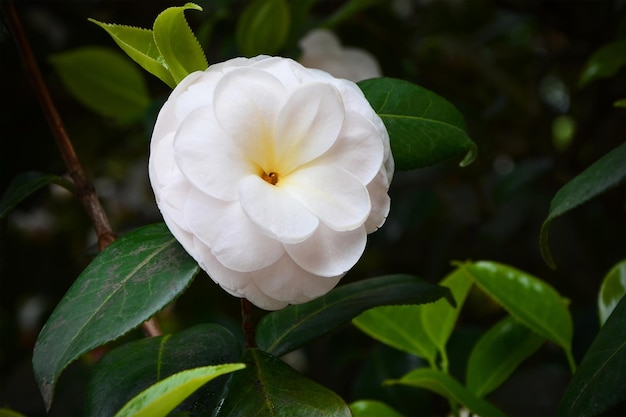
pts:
[85, 191]
[247, 323]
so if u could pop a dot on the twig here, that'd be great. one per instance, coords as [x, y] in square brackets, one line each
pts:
[247, 323]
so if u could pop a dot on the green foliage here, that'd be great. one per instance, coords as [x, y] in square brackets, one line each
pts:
[605, 173]
[424, 128]
[25, 184]
[263, 27]
[270, 388]
[604, 63]
[370, 408]
[126, 284]
[613, 288]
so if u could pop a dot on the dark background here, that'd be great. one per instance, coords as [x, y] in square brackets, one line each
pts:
[511, 67]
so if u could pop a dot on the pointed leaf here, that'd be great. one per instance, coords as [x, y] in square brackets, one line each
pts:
[131, 368]
[177, 44]
[285, 330]
[25, 184]
[263, 27]
[424, 128]
[498, 353]
[163, 397]
[105, 81]
[448, 387]
[371, 408]
[603, 174]
[126, 284]
[269, 387]
[139, 44]
[600, 381]
[604, 63]
[531, 301]
[612, 290]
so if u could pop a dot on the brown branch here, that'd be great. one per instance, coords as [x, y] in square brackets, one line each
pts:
[247, 323]
[85, 191]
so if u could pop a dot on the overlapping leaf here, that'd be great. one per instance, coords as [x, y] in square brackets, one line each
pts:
[371, 408]
[27, 183]
[613, 288]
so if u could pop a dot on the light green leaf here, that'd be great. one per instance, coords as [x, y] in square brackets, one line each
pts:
[164, 396]
[126, 284]
[139, 44]
[105, 81]
[612, 290]
[604, 63]
[498, 353]
[448, 387]
[25, 184]
[177, 44]
[263, 27]
[603, 174]
[371, 408]
[424, 128]
[528, 299]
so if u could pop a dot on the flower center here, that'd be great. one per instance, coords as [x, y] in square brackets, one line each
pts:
[272, 177]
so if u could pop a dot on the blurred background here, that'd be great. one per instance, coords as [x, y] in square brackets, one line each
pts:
[512, 67]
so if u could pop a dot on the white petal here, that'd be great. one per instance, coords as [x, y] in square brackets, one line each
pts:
[328, 252]
[381, 203]
[332, 194]
[233, 239]
[307, 125]
[290, 73]
[276, 212]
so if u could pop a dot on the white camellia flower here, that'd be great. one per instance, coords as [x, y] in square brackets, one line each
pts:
[271, 175]
[321, 49]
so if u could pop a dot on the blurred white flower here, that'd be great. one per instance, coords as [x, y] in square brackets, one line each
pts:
[271, 175]
[321, 49]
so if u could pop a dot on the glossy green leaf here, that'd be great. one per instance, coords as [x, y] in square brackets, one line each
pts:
[612, 290]
[263, 27]
[371, 408]
[603, 174]
[138, 43]
[126, 284]
[164, 396]
[25, 184]
[285, 330]
[129, 369]
[105, 81]
[177, 44]
[604, 63]
[498, 353]
[448, 387]
[269, 387]
[424, 128]
[528, 299]
[600, 381]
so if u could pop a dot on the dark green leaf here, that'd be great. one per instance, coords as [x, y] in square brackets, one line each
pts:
[139, 44]
[263, 27]
[620, 103]
[498, 353]
[269, 387]
[129, 369]
[612, 290]
[600, 381]
[603, 174]
[177, 44]
[371, 408]
[347, 10]
[448, 387]
[105, 81]
[25, 184]
[424, 128]
[126, 284]
[604, 63]
[531, 301]
[287, 329]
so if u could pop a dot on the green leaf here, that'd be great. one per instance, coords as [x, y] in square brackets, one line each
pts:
[285, 330]
[177, 44]
[498, 353]
[263, 27]
[612, 290]
[6, 412]
[604, 63]
[163, 397]
[25, 184]
[371, 408]
[424, 128]
[620, 103]
[269, 387]
[126, 284]
[129, 369]
[139, 44]
[105, 81]
[448, 387]
[600, 381]
[529, 300]
[603, 174]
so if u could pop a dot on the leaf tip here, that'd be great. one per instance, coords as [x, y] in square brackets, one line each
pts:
[470, 156]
